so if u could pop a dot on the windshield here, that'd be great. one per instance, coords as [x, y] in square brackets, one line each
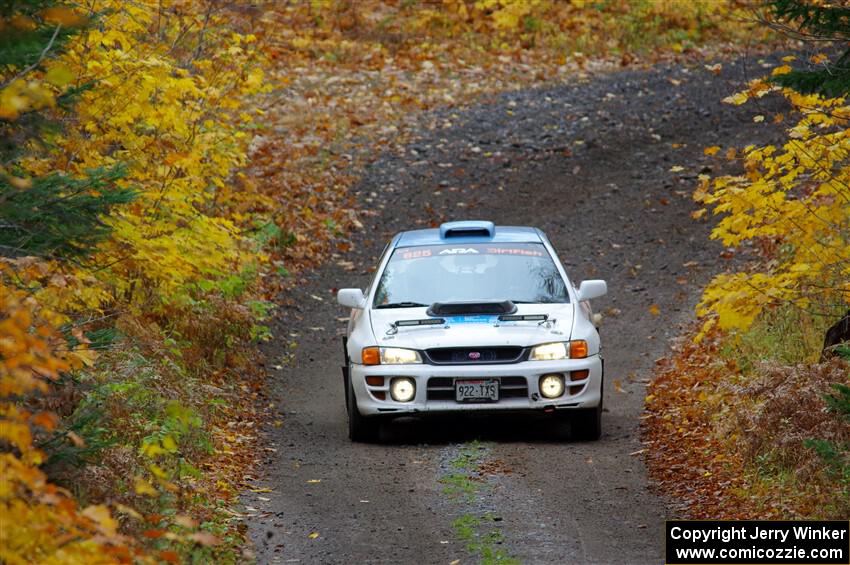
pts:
[420, 276]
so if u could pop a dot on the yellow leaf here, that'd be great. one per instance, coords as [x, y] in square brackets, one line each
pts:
[313, 535]
[128, 511]
[711, 150]
[143, 487]
[169, 444]
[737, 99]
[100, 515]
[655, 310]
[59, 75]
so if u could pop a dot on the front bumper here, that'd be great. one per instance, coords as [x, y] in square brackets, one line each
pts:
[519, 389]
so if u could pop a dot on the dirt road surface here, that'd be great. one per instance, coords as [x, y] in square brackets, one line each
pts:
[595, 164]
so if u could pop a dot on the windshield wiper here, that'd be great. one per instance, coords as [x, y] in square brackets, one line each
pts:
[400, 305]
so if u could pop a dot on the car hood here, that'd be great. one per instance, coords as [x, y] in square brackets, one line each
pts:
[472, 331]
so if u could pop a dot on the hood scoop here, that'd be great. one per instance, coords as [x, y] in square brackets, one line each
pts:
[471, 308]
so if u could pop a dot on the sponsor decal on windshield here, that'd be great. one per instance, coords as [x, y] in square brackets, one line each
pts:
[514, 251]
[530, 250]
[416, 253]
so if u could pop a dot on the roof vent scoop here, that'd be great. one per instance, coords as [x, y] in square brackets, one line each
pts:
[467, 229]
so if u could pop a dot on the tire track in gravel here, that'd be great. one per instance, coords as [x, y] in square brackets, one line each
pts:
[589, 163]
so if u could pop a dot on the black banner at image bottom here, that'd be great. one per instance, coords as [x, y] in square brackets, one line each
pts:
[757, 542]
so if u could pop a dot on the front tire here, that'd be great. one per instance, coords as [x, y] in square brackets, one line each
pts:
[586, 424]
[361, 429]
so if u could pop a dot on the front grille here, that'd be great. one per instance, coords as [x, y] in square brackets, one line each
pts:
[443, 388]
[475, 355]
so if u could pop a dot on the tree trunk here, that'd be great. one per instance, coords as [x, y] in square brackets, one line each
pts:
[837, 334]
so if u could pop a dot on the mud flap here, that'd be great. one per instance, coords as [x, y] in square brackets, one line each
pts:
[345, 369]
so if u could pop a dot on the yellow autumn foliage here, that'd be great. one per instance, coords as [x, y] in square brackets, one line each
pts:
[165, 104]
[161, 92]
[41, 523]
[793, 205]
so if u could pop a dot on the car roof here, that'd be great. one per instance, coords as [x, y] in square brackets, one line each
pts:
[468, 232]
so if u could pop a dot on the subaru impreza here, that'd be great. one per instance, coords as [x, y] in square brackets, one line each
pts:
[472, 317]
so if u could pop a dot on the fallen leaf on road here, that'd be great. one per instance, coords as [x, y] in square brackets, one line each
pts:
[313, 535]
[314, 481]
[655, 310]
[618, 386]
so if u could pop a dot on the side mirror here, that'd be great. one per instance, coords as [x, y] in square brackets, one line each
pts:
[592, 289]
[351, 297]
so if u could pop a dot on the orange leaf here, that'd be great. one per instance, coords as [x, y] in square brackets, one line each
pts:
[46, 420]
[62, 16]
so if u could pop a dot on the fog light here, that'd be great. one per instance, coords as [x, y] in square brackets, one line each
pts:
[552, 386]
[403, 389]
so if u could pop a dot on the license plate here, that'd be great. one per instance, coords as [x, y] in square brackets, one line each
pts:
[486, 390]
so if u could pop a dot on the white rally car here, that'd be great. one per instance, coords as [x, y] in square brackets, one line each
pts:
[472, 317]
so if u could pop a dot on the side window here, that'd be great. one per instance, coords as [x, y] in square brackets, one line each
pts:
[381, 258]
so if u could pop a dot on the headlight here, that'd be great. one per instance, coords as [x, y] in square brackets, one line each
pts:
[389, 356]
[398, 356]
[558, 350]
[549, 352]
[403, 389]
[552, 386]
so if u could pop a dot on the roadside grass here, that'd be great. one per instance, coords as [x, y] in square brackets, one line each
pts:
[785, 334]
[160, 426]
[465, 485]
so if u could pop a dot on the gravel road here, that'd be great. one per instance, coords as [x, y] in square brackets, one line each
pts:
[595, 164]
